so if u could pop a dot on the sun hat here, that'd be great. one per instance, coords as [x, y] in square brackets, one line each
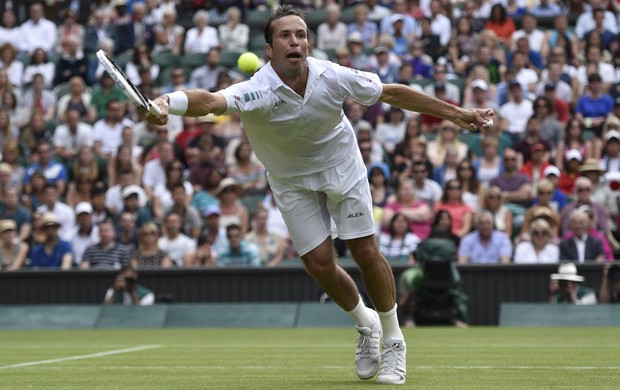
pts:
[7, 224]
[225, 183]
[591, 165]
[49, 219]
[567, 271]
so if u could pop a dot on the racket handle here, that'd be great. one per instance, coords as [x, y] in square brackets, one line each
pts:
[154, 109]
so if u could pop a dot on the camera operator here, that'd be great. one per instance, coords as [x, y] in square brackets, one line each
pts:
[565, 287]
[127, 291]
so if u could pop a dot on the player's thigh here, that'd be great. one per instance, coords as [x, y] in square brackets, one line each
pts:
[350, 202]
[304, 211]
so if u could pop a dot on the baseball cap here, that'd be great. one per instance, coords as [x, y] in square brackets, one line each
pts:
[479, 83]
[83, 207]
[211, 210]
[396, 18]
[381, 49]
[617, 101]
[514, 83]
[131, 190]
[355, 36]
[573, 154]
[49, 219]
[551, 170]
[612, 134]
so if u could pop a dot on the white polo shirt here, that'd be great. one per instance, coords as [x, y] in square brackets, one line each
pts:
[295, 136]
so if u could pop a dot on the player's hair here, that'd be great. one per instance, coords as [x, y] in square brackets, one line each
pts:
[280, 12]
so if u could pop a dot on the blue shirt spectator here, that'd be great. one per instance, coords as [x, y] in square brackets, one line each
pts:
[546, 9]
[238, 253]
[53, 252]
[485, 245]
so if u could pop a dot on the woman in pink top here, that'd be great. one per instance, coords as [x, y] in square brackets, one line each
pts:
[405, 202]
[452, 201]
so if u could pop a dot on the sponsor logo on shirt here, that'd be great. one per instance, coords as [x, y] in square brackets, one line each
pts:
[355, 215]
[251, 96]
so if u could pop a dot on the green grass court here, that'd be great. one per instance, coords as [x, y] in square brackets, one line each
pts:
[438, 358]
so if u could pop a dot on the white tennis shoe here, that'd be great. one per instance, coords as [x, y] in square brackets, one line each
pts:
[368, 352]
[393, 363]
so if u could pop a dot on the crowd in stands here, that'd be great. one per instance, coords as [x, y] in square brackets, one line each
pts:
[86, 182]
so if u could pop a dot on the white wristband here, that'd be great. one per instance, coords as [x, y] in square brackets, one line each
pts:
[178, 103]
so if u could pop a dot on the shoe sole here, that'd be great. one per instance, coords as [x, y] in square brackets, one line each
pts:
[401, 382]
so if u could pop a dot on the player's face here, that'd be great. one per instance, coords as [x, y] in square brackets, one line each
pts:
[289, 48]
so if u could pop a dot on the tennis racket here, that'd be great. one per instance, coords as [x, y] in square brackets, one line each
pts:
[133, 94]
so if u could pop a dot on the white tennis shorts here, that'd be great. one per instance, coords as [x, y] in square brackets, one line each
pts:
[308, 204]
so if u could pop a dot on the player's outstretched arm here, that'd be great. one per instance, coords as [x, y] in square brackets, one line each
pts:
[199, 102]
[413, 100]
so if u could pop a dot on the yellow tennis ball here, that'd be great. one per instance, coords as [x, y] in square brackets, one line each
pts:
[248, 62]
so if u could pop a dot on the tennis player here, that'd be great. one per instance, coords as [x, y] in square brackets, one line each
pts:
[292, 112]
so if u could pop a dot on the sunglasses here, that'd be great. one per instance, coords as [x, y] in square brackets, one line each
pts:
[544, 192]
[454, 187]
[510, 158]
[539, 233]
[229, 189]
[584, 189]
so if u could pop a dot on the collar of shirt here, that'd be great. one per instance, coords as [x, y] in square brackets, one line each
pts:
[315, 69]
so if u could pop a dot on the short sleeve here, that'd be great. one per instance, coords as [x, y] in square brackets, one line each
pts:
[363, 87]
[246, 96]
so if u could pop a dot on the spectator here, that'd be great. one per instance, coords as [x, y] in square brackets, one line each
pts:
[238, 252]
[130, 34]
[592, 109]
[205, 76]
[72, 135]
[141, 59]
[53, 252]
[107, 131]
[162, 193]
[516, 112]
[13, 251]
[105, 92]
[430, 122]
[114, 195]
[36, 196]
[126, 290]
[148, 254]
[572, 162]
[168, 34]
[583, 197]
[216, 235]
[97, 195]
[447, 170]
[190, 218]
[85, 233]
[398, 243]
[10, 157]
[332, 33]
[472, 189]
[565, 287]
[500, 23]
[250, 175]
[63, 214]
[203, 256]
[440, 23]
[582, 246]
[515, 186]
[561, 37]
[485, 244]
[272, 246]
[10, 32]
[442, 228]
[425, 189]
[557, 93]
[452, 202]
[232, 210]
[69, 30]
[452, 92]
[39, 100]
[363, 25]
[479, 97]
[545, 205]
[550, 129]
[599, 30]
[538, 162]
[131, 203]
[611, 151]
[359, 60]
[607, 251]
[11, 209]
[489, 165]
[493, 201]
[447, 139]
[234, 35]
[127, 231]
[530, 31]
[72, 63]
[379, 177]
[546, 9]
[37, 32]
[173, 241]
[575, 141]
[541, 248]
[609, 291]
[387, 72]
[154, 170]
[405, 202]
[13, 68]
[586, 21]
[97, 30]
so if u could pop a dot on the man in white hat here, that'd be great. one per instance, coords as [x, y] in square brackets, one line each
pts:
[53, 252]
[565, 287]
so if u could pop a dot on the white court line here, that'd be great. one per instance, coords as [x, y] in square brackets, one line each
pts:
[79, 357]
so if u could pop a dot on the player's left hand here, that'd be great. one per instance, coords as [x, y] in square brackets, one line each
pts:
[474, 118]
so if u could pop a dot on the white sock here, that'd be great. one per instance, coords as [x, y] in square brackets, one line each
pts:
[389, 322]
[362, 315]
